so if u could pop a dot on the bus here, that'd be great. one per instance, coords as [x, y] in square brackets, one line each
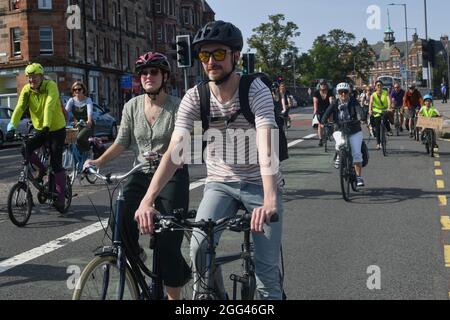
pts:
[388, 81]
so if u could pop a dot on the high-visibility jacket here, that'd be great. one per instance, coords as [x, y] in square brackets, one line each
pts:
[379, 106]
[429, 113]
[44, 106]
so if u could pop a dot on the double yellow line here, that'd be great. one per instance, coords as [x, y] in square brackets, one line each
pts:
[445, 219]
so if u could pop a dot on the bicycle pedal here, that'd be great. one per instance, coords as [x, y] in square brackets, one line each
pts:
[237, 278]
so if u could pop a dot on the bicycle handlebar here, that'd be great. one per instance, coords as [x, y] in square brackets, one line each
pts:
[234, 223]
[109, 178]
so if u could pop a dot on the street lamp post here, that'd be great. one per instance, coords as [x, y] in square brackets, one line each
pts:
[406, 33]
[430, 83]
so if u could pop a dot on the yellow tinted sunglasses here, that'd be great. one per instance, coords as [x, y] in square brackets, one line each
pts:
[218, 55]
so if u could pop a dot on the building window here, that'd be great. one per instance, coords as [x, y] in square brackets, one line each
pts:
[128, 56]
[96, 48]
[46, 40]
[185, 15]
[125, 13]
[15, 36]
[44, 4]
[158, 6]
[159, 33]
[150, 32]
[94, 10]
[114, 17]
[15, 4]
[136, 21]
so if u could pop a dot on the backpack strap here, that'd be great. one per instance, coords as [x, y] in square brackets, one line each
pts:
[205, 104]
[244, 88]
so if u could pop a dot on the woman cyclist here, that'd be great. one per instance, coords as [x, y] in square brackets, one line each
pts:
[82, 108]
[345, 109]
[147, 124]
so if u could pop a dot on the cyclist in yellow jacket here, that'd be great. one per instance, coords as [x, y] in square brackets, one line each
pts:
[41, 98]
[379, 103]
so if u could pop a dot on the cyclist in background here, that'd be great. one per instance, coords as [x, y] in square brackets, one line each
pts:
[428, 111]
[322, 99]
[41, 98]
[147, 124]
[379, 103]
[82, 108]
[285, 103]
[345, 108]
[412, 102]
[397, 97]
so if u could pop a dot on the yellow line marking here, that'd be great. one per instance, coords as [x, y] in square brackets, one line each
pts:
[442, 200]
[437, 163]
[445, 221]
[440, 184]
[438, 172]
[447, 256]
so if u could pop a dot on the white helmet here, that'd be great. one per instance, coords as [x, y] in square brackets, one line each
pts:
[343, 86]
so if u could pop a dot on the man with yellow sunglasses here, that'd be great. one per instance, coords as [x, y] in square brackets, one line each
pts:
[230, 184]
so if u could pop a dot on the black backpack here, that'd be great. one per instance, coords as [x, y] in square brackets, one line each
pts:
[244, 88]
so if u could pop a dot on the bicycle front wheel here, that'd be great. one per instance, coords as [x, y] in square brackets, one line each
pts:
[20, 204]
[187, 293]
[100, 281]
[344, 176]
[383, 140]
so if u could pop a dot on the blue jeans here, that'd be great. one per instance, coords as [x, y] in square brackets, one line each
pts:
[222, 200]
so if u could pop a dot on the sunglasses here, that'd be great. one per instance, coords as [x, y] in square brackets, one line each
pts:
[343, 92]
[218, 55]
[152, 72]
[77, 89]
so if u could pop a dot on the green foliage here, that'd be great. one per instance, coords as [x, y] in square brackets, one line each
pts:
[272, 42]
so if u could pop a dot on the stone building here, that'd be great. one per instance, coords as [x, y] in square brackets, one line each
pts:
[390, 58]
[96, 41]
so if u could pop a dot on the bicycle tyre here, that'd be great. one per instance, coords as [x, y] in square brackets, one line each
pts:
[248, 291]
[344, 178]
[432, 143]
[26, 204]
[383, 140]
[91, 178]
[187, 293]
[67, 195]
[83, 287]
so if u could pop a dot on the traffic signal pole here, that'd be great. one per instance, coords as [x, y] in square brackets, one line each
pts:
[186, 83]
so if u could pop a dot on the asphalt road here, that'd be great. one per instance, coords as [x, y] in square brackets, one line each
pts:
[388, 243]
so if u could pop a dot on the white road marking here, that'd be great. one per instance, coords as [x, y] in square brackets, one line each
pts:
[79, 234]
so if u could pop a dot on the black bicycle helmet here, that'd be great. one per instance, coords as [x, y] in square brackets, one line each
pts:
[221, 32]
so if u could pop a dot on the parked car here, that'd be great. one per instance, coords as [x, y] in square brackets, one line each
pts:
[5, 117]
[105, 124]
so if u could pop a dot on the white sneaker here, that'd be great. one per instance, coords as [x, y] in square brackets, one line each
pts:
[359, 182]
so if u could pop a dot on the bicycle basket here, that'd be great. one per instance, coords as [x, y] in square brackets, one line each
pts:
[71, 135]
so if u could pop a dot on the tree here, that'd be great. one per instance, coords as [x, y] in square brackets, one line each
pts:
[336, 58]
[272, 42]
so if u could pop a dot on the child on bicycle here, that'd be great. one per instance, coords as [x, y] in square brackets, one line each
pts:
[345, 109]
[428, 110]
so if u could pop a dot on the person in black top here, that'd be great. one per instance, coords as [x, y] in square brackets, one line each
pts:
[322, 99]
[345, 109]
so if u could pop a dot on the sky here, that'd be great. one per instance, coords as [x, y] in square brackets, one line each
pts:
[317, 17]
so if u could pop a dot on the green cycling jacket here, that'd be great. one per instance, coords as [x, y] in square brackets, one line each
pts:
[44, 106]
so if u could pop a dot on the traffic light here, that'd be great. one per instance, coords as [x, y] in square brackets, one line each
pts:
[428, 52]
[251, 63]
[245, 65]
[184, 54]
